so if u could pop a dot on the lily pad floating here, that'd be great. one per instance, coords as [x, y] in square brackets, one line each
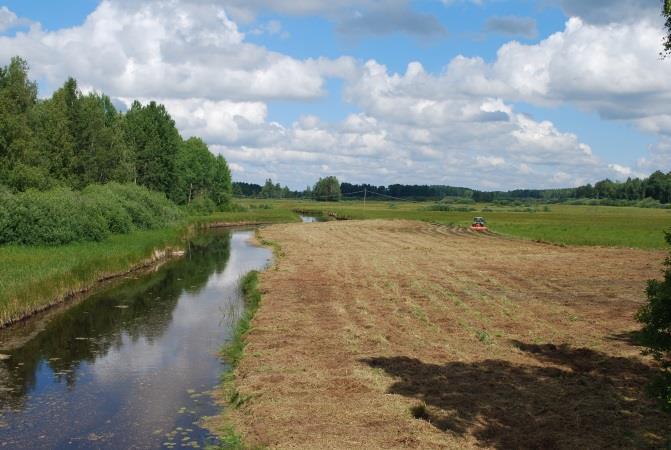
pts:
[4, 357]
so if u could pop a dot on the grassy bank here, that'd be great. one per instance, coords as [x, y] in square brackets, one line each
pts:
[562, 224]
[274, 215]
[232, 353]
[34, 277]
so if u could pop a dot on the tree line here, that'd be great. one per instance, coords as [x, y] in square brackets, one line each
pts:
[404, 191]
[656, 187]
[72, 140]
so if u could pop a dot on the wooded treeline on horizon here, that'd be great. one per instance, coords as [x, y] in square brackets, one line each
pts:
[656, 188]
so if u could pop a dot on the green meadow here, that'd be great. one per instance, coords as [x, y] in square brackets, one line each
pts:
[561, 224]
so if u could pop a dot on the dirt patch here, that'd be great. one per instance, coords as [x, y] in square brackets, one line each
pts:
[388, 334]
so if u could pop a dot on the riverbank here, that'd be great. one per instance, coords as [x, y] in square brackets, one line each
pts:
[35, 278]
[387, 334]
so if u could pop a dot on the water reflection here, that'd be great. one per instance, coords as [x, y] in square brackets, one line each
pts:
[128, 366]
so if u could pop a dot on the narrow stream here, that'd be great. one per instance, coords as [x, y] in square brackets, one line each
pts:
[309, 219]
[130, 366]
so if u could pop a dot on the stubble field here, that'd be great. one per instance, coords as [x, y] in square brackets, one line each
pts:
[388, 334]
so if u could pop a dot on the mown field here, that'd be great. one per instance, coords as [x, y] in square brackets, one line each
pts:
[403, 334]
[562, 224]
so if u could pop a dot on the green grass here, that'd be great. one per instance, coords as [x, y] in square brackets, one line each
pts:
[233, 352]
[33, 277]
[278, 214]
[234, 349]
[561, 224]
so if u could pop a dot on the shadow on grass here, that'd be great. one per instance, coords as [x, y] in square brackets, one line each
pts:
[573, 398]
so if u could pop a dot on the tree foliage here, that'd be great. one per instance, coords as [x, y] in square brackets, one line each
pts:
[656, 333]
[274, 190]
[151, 132]
[72, 140]
[327, 189]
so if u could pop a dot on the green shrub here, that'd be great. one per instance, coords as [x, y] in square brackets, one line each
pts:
[102, 200]
[201, 205]
[60, 216]
[656, 333]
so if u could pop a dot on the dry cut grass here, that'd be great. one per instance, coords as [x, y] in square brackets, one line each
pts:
[401, 334]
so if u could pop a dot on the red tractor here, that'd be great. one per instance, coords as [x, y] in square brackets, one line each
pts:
[479, 224]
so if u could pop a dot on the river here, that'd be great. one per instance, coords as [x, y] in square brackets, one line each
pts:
[132, 365]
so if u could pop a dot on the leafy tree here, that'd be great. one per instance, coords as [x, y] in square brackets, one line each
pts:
[193, 170]
[17, 96]
[103, 154]
[73, 140]
[268, 189]
[242, 189]
[327, 189]
[221, 188]
[151, 132]
[656, 334]
[53, 136]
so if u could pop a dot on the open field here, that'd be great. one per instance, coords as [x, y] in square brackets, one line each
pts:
[566, 224]
[388, 334]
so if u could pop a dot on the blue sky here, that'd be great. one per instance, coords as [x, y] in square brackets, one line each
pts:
[393, 34]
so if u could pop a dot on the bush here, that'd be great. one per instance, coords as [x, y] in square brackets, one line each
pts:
[201, 205]
[656, 333]
[60, 216]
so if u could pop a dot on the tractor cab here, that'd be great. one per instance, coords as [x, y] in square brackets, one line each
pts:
[479, 224]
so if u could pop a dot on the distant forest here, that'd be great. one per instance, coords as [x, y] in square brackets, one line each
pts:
[654, 189]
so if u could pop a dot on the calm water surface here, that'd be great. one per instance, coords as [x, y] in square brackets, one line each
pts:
[130, 366]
